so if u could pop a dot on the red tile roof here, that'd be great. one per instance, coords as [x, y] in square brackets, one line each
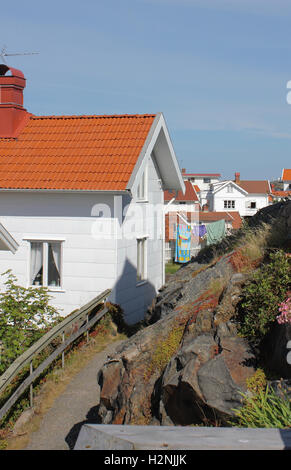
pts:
[233, 217]
[281, 193]
[286, 175]
[189, 195]
[254, 187]
[74, 152]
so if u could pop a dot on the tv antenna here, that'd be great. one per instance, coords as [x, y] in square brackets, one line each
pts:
[4, 54]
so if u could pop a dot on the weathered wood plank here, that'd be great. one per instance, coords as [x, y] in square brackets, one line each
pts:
[125, 437]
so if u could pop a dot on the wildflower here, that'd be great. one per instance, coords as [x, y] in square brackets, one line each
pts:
[285, 312]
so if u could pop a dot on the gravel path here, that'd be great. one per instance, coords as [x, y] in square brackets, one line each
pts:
[60, 426]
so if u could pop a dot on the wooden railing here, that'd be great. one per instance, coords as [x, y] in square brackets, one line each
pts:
[76, 324]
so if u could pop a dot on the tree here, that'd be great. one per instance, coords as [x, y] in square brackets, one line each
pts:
[25, 315]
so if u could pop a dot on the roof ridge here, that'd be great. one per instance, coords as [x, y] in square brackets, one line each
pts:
[93, 116]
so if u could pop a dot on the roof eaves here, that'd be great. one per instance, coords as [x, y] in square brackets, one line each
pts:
[8, 240]
[143, 152]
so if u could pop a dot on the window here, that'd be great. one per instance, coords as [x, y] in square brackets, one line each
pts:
[141, 260]
[142, 190]
[230, 188]
[45, 263]
[229, 204]
[253, 205]
[206, 180]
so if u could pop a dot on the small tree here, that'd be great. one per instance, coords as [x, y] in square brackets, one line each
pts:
[25, 315]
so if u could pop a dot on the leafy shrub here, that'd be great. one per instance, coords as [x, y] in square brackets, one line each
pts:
[261, 296]
[25, 315]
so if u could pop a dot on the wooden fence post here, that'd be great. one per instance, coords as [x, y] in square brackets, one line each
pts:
[87, 332]
[31, 388]
[63, 353]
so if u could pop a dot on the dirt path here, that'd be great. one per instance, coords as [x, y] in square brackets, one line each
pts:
[60, 426]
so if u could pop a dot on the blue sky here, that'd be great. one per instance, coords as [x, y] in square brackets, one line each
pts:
[217, 69]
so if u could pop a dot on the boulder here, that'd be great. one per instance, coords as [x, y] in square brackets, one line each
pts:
[205, 380]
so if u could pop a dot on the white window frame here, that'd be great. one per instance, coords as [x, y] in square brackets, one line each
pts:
[229, 204]
[141, 260]
[45, 263]
[142, 189]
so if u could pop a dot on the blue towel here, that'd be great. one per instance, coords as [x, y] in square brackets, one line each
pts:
[183, 244]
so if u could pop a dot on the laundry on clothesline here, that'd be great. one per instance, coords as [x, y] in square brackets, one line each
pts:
[183, 244]
[199, 230]
[215, 232]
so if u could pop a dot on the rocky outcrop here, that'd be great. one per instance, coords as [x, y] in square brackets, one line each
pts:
[187, 365]
[186, 286]
[205, 380]
[127, 380]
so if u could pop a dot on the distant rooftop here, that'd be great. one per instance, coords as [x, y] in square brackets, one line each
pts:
[207, 175]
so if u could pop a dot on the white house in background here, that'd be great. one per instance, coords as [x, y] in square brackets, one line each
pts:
[187, 201]
[202, 183]
[286, 179]
[243, 196]
[79, 196]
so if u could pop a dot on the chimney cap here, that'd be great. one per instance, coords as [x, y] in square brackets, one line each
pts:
[14, 72]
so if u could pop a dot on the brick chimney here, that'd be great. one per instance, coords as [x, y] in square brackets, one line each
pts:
[12, 114]
[183, 170]
[237, 178]
[205, 208]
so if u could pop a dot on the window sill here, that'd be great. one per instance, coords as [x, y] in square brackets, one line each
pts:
[55, 289]
[142, 200]
[49, 288]
[142, 283]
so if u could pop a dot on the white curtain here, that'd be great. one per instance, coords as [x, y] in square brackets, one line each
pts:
[56, 255]
[36, 260]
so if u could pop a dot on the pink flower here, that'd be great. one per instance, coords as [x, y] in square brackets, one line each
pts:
[285, 312]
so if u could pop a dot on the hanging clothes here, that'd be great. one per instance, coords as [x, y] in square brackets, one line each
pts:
[215, 232]
[199, 230]
[183, 243]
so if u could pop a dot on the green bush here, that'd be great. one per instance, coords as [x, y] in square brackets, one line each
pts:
[264, 409]
[25, 315]
[261, 296]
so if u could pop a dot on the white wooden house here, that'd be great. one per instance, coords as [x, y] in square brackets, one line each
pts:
[83, 198]
[243, 196]
[202, 183]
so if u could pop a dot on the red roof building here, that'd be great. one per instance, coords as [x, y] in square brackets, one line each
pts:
[189, 195]
[286, 174]
[81, 196]
[253, 186]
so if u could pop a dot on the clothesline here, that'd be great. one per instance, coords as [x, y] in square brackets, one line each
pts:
[214, 232]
